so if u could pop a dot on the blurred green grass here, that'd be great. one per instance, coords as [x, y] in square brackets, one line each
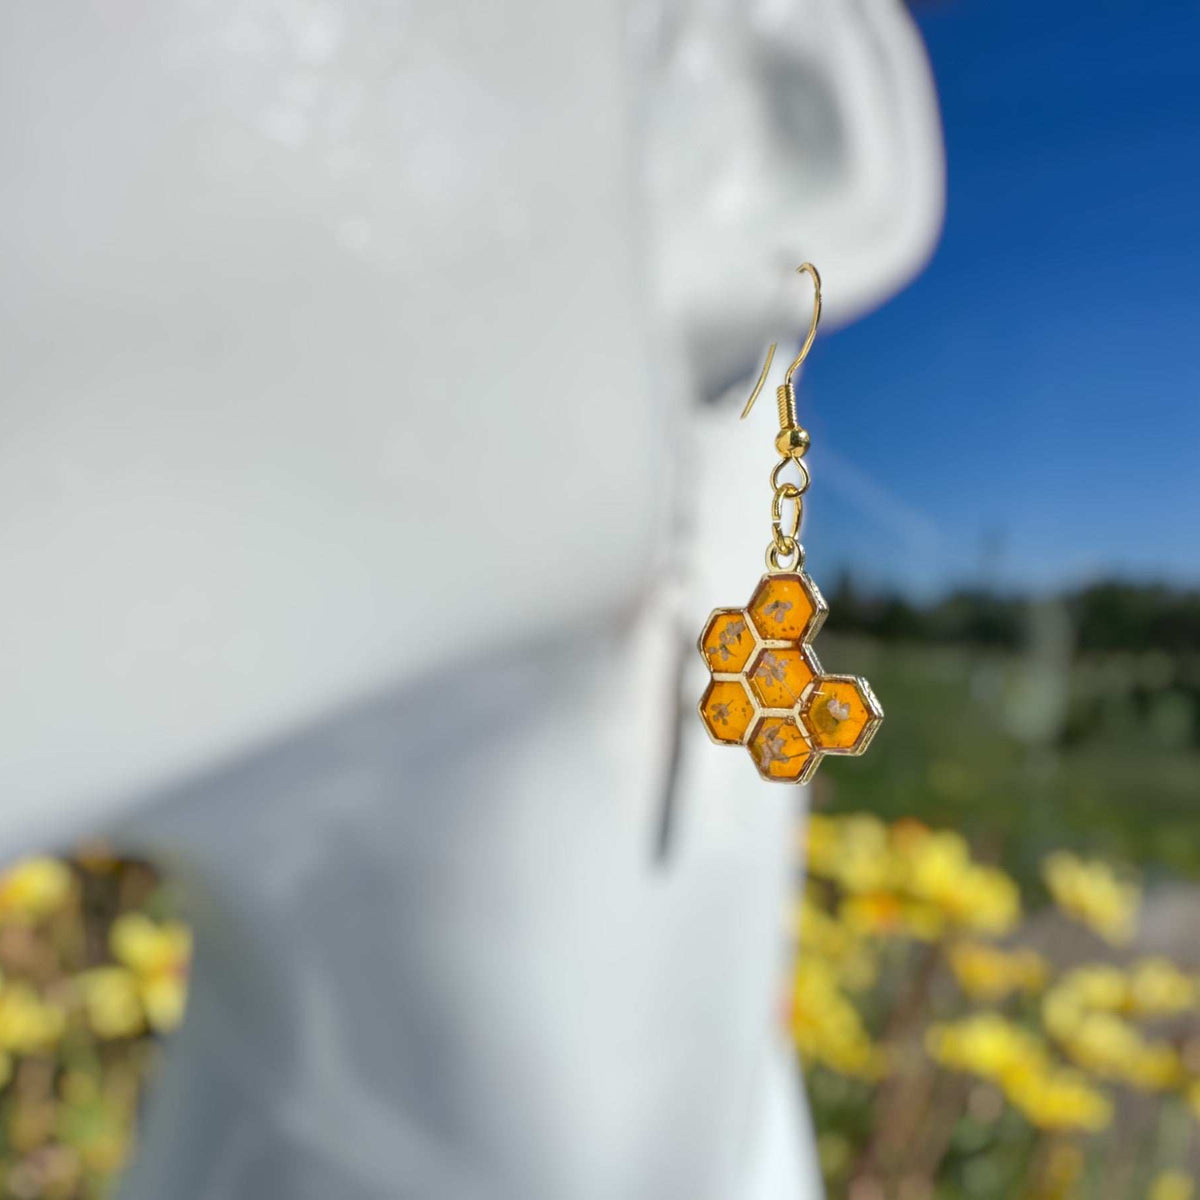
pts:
[1025, 753]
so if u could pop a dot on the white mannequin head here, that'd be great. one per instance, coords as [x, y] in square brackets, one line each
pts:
[339, 346]
[326, 318]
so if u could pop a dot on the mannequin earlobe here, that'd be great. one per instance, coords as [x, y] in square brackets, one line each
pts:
[778, 132]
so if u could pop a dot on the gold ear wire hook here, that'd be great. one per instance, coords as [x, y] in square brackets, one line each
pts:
[792, 440]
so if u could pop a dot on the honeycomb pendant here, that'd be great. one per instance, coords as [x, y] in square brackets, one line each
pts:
[768, 692]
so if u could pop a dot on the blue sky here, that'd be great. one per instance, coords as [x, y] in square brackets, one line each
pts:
[1027, 413]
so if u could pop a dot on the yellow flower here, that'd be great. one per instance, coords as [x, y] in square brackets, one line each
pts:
[985, 1044]
[853, 851]
[1061, 1011]
[1154, 1068]
[997, 1049]
[988, 973]
[27, 1024]
[1083, 1013]
[890, 914]
[159, 957]
[1113, 1049]
[33, 888]
[938, 870]
[820, 933]
[1158, 988]
[1099, 985]
[826, 1027]
[934, 862]
[1060, 1099]
[821, 845]
[1091, 893]
[111, 1002]
[986, 900]
[1172, 1185]
[877, 913]
[909, 880]
[823, 936]
[1102, 1043]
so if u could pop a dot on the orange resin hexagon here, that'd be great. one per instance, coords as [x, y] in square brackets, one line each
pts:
[786, 608]
[779, 749]
[778, 677]
[726, 642]
[727, 710]
[841, 714]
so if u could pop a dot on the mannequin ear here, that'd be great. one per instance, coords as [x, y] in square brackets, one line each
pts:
[850, 100]
[777, 131]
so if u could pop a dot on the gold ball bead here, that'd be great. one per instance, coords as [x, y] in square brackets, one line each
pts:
[792, 443]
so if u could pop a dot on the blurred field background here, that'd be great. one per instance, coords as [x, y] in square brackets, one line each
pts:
[996, 994]
[998, 986]
[93, 972]
[1027, 724]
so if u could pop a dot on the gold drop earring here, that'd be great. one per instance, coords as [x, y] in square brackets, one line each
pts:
[768, 692]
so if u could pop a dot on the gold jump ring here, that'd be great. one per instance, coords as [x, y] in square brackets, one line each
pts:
[805, 477]
[791, 550]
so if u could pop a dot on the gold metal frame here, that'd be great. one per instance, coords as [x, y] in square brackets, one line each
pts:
[785, 560]
[796, 712]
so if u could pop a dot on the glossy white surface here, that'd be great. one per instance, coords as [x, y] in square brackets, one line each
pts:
[302, 306]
